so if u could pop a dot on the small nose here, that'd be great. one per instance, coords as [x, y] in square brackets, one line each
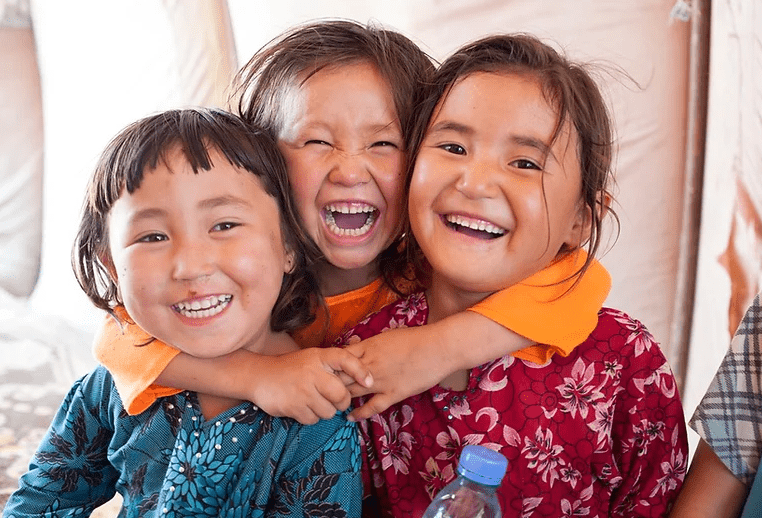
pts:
[476, 181]
[191, 261]
[349, 168]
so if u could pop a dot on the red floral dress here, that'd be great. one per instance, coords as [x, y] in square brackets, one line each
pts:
[598, 433]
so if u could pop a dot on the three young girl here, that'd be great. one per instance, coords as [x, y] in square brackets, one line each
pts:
[511, 176]
[509, 183]
[188, 224]
[341, 100]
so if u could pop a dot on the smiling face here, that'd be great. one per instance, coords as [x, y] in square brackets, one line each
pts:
[344, 151]
[199, 258]
[491, 201]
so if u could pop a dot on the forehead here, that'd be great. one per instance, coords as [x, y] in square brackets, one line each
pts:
[503, 100]
[503, 90]
[353, 95]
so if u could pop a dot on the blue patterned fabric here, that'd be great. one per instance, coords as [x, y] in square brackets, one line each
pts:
[170, 461]
[729, 417]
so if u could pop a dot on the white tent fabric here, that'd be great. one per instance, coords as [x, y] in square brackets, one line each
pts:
[104, 64]
[117, 62]
[20, 160]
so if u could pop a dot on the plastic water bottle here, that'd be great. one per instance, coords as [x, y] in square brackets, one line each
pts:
[473, 492]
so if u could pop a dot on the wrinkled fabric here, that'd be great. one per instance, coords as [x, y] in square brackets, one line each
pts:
[171, 461]
[597, 433]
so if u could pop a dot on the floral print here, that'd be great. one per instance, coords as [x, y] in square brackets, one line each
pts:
[597, 433]
[171, 461]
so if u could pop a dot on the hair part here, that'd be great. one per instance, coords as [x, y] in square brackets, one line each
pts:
[140, 148]
[567, 86]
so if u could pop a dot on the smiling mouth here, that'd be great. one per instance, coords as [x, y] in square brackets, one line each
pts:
[350, 219]
[203, 308]
[473, 227]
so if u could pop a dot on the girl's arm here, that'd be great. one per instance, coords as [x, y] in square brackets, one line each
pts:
[300, 385]
[710, 490]
[541, 310]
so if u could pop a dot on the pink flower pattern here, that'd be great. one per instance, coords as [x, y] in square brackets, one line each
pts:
[597, 433]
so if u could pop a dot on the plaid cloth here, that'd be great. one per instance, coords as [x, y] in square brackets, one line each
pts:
[729, 417]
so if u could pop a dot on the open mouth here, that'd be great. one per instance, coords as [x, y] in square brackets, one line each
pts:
[203, 308]
[473, 227]
[350, 219]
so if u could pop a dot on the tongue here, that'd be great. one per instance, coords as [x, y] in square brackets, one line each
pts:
[350, 221]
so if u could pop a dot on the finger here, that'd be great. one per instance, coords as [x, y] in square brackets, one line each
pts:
[357, 349]
[373, 406]
[352, 366]
[335, 393]
[326, 409]
[356, 390]
[345, 378]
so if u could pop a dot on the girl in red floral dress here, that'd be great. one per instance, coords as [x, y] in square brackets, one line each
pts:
[512, 175]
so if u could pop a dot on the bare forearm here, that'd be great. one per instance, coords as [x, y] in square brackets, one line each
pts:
[710, 489]
[221, 376]
[469, 339]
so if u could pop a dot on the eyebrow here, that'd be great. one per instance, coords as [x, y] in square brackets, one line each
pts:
[209, 203]
[521, 140]
[226, 200]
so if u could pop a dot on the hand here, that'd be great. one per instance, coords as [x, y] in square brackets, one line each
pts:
[402, 365]
[304, 384]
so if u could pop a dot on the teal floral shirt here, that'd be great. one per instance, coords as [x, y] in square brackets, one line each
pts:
[170, 461]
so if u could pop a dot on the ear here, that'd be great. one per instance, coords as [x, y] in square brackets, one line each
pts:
[579, 232]
[290, 261]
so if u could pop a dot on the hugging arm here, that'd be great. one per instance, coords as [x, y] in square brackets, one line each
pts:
[300, 385]
[540, 310]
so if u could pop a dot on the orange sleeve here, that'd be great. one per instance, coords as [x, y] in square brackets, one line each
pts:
[133, 366]
[541, 309]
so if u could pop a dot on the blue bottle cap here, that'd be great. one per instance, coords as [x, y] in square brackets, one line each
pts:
[482, 465]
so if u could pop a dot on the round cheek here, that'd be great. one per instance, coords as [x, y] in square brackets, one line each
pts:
[305, 197]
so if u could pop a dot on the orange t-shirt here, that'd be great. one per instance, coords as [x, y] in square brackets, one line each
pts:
[539, 308]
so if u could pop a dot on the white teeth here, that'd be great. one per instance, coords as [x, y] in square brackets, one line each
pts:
[203, 308]
[475, 224]
[350, 208]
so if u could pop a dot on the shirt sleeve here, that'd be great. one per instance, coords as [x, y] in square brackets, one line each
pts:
[729, 417]
[134, 359]
[648, 432]
[70, 474]
[323, 477]
[549, 308]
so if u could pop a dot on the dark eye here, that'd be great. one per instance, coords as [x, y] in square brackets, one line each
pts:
[225, 225]
[455, 149]
[153, 238]
[316, 141]
[384, 143]
[523, 163]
